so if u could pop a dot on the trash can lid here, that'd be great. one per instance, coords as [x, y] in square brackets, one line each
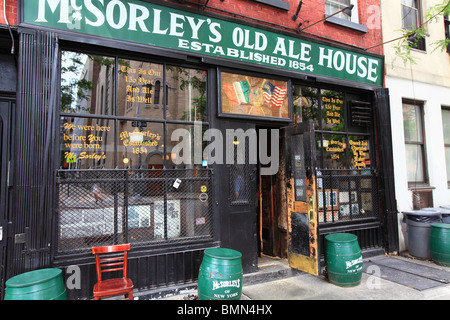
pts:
[440, 210]
[423, 212]
[441, 225]
[33, 277]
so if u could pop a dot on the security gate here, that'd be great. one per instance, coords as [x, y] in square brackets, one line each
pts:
[5, 123]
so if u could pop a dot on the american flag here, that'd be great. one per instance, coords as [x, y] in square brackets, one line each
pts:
[278, 96]
[273, 95]
[267, 91]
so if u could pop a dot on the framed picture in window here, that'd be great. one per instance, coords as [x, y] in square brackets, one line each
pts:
[245, 96]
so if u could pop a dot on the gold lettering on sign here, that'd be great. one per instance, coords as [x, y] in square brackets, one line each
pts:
[333, 109]
[85, 138]
[359, 149]
[139, 87]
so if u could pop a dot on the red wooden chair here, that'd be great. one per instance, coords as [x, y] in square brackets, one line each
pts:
[107, 259]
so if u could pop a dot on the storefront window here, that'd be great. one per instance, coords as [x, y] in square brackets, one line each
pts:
[346, 185]
[153, 189]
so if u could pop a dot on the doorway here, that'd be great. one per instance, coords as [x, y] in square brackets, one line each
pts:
[271, 212]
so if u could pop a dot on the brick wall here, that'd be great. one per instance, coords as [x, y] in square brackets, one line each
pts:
[312, 11]
[11, 12]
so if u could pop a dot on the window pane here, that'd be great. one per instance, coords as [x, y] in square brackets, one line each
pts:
[306, 105]
[332, 6]
[87, 84]
[187, 146]
[334, 151]
[332, 111]
[409, 17]
[141, 145]
[186, 92]
[446, 125]
[87, 143]
[409, 14]
[359, 152]
[410, 3]
[414, 163]
[140, 89]
[412, 123]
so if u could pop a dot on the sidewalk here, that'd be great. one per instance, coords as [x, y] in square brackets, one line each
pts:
[384, 278]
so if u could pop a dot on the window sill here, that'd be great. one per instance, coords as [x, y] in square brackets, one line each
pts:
[347, 24]
[276, 3]
[421, 187]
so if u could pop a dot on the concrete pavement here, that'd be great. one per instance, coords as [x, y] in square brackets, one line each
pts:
[384, 278]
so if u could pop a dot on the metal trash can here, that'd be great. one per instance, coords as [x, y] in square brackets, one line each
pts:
[419, 227]
[443, 210]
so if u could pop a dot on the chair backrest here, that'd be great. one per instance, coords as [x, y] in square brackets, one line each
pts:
[107, 259]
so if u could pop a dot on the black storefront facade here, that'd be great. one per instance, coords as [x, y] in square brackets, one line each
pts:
[177, 131]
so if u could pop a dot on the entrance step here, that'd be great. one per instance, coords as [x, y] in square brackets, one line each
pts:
[269, 269]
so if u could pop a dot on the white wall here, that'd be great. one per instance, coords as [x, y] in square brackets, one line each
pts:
[433, 98]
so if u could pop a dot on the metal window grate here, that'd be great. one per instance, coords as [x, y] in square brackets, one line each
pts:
[345, 195]
[144, 207]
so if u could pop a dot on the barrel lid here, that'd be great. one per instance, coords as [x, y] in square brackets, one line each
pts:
[441, 225]
[33, 277]
[341, 237]
[223, 253]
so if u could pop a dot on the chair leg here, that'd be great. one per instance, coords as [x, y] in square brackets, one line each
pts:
[129, 295]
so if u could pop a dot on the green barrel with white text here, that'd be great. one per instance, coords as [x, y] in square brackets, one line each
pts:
[43, 284]
[344, 259]
[220, 275]
[440, 243]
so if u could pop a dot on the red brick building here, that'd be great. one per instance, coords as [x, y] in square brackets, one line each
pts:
[250, 125]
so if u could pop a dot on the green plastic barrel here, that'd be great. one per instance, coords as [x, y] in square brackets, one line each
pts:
[43, 284]
[344, 259]
[220, 276]
[440, 243]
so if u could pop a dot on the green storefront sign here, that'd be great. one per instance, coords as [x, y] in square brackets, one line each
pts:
[160, 26]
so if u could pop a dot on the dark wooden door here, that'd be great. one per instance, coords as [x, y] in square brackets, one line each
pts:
[235, 191]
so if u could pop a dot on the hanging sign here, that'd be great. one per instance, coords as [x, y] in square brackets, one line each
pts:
[156, 25]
